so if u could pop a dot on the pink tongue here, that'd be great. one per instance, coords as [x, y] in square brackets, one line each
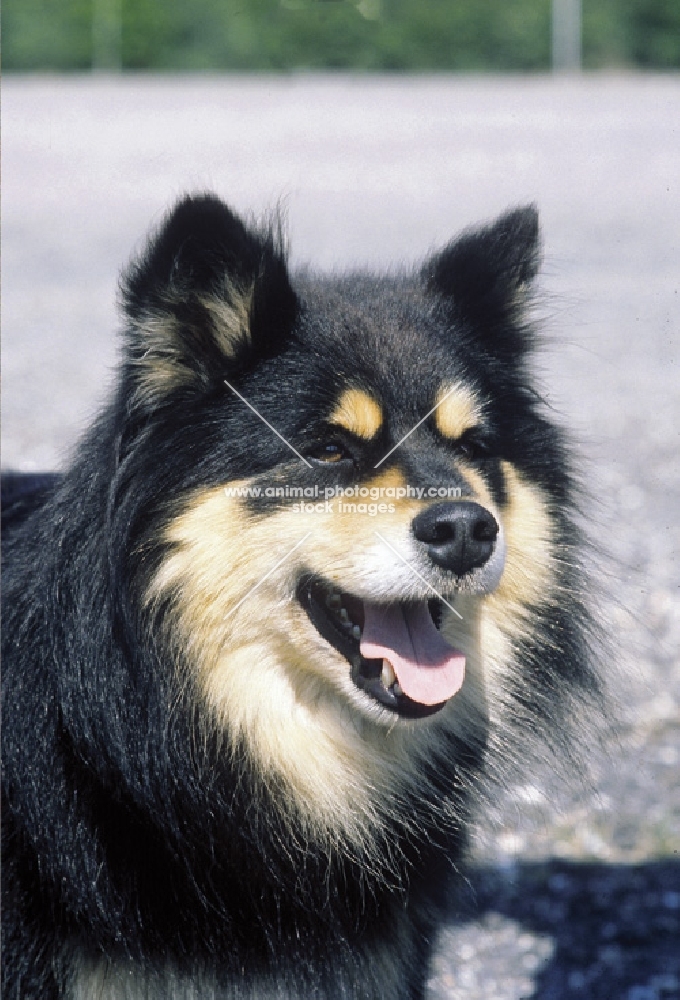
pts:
[429, 671]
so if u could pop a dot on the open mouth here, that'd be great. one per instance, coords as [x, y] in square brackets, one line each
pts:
[396, 652]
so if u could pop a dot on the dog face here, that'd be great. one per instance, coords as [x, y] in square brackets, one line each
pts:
[353, 516]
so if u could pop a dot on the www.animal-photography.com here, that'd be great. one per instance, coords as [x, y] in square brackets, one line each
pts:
[340, 519]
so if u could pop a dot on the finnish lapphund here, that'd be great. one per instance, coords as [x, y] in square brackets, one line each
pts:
[312, 576]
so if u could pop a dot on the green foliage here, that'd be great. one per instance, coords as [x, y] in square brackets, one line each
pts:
[39, 34]
[654, 38]
[279, 35]
[605, 34]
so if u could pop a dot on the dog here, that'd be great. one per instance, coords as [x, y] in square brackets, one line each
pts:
[314, 573]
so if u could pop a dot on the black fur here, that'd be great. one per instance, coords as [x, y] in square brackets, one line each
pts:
[128, 833]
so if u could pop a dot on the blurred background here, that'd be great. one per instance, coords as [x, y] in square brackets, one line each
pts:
[382, 128]
[411, 35]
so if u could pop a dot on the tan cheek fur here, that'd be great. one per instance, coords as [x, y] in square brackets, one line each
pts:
[528, 578]
[492, 623]
[264, 671]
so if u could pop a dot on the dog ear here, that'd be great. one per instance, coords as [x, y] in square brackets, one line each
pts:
[207, 295]
[486, 276]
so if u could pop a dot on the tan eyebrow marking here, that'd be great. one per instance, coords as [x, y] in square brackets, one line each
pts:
[359, 413]
[458, 411]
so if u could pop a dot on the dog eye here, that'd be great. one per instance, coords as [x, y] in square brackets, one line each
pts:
[329, 453]
[471, 448]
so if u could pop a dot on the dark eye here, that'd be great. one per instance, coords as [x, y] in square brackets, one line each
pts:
[330, 453]
[471, 448]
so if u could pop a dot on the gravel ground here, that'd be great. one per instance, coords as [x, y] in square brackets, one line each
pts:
[575, 892]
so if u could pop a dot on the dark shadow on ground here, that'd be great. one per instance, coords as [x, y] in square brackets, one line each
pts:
[615, 928]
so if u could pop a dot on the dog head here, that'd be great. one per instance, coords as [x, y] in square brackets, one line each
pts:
[350, 508]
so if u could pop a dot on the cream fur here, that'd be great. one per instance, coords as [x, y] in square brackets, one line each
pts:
[359, 413]
[458, 410]
[269, 678]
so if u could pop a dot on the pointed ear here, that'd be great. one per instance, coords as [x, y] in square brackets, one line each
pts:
[486, 276]
[206, 294]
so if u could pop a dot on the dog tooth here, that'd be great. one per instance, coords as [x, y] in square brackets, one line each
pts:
[344, 617]
[333, 600]
[397, 688]
[356, 631]
[387, 676]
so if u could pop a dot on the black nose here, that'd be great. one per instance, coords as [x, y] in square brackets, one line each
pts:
[459, 536]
